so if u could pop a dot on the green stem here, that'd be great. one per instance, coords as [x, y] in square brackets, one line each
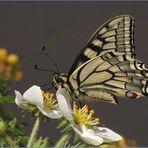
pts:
[34, 131]
[61, 142]
[1, 111]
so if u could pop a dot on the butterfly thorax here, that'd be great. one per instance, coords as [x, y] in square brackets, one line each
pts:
[60, 81]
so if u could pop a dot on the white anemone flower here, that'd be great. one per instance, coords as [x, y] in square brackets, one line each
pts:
[44, 101]
[83, 123]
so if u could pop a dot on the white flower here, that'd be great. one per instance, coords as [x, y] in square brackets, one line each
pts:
[44, 101]
[83, 123]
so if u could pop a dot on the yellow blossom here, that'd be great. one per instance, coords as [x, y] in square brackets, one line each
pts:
[12, 59]
[9, 65]
[2, 66]
[7, 71]
[3, 54]
[126, 143]
[18, 76]
[122, 144]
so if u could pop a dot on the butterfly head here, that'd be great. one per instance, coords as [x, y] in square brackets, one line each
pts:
[59, 80]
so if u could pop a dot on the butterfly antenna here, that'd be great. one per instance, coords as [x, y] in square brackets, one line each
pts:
[36, 67]
[50, 58]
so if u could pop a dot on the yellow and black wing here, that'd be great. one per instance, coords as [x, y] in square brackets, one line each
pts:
[107, 76]
[117, 34]
[107, 67]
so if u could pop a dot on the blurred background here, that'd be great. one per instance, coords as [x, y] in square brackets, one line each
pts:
[65, 27]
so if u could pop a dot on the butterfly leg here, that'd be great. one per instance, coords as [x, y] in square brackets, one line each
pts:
[77, 98]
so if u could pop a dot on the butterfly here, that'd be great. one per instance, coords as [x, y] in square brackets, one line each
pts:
[106, 68]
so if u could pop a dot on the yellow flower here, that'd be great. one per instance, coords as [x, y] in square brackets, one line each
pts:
[18, 76]
[83, 116]
[2, 66]
[7, 71]
[10, 65]
[3, 54]
[126, 143]
[12, 59]
[121, 144]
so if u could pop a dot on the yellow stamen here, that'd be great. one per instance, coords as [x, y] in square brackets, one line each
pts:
[49, 100]
[83, 116]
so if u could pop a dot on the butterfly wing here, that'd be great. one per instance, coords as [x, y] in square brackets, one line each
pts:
[110, 75]
[107, 68]
[117, 34]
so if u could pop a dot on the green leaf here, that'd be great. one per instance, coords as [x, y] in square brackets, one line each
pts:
[14, 128]
[1, 99]
[62, 123]
[15, 131]
[76, 138]
[9, 99]
[83, 145]
[66, 129]
[2, 142]
[11, 142]
[4, 86]
[41, 143]
[12, 122]
[23, 140]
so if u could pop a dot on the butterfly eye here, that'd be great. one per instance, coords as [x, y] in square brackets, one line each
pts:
[57, 79]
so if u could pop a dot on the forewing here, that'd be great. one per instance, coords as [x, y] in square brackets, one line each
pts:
[117, 35]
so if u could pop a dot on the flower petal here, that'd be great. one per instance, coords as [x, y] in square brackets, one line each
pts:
[18, 98]
[88, 135]
[108, 135]
[20, 101]
[63, 99]
[51, 113]
[34, 96]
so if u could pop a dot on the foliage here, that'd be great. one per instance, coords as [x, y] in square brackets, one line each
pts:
[41, 143]
[11, 131]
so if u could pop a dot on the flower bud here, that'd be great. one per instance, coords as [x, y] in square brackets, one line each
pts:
[18, 76]
[2, 127]
[12, 59]
[7, 71]
[3, 54]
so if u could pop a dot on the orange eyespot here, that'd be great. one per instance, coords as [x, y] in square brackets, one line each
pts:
[131, 95]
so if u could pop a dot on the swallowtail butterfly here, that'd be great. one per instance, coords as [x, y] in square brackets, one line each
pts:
[107, 67]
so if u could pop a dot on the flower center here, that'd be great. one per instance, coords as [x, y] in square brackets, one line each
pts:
[83, 116]
[49, 100]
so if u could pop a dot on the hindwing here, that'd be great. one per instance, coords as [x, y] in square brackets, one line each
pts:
[109, 75]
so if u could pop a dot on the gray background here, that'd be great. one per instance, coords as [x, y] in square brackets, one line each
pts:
[24, 26]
